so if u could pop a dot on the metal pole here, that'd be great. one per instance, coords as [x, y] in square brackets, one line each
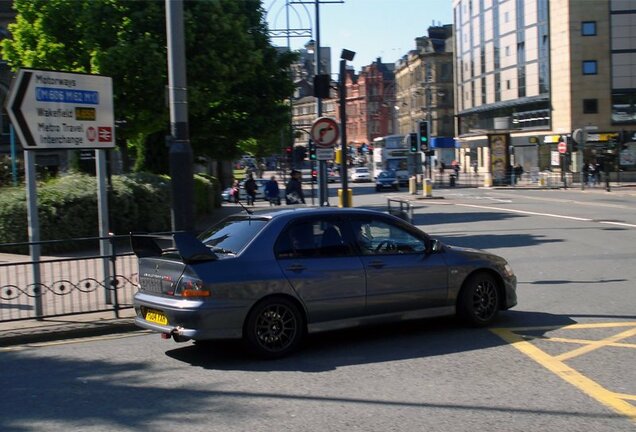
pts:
[343, 133]
[102, 216]
[429, 119]
[181, 160]
[14, 162]
[34, 229]
[322, 165]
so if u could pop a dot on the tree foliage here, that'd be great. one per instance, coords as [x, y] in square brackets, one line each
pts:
[237, 81]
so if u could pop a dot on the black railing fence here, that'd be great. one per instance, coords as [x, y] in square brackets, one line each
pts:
[65, 283]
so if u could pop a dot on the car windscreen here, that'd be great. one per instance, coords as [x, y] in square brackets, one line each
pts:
[231, 235]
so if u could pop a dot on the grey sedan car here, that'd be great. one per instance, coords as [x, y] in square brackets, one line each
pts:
[271, 278]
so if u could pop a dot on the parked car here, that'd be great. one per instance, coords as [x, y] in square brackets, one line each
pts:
[271, 278]
[386, 180]
[360, 174]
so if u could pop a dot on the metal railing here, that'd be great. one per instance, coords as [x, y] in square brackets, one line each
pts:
[400, 208]
[59, 284]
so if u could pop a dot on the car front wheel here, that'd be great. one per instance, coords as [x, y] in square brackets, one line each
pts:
[274, 328]
[478, 301]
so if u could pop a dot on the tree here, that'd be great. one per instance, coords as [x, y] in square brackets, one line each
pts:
[237, 82]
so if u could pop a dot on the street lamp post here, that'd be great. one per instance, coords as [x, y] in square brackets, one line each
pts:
[346, 55]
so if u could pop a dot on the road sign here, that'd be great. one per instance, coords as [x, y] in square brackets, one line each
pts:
[323, 154]
[563, 147]
[60, 110]
[325, 132]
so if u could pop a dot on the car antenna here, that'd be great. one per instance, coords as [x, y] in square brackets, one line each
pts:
[248, 211]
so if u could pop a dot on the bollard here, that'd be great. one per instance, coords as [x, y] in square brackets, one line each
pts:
[428, 188]
[412, 185]
[488, 180]
[348, 197]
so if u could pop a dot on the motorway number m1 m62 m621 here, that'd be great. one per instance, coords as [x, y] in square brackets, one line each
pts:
[156, 317]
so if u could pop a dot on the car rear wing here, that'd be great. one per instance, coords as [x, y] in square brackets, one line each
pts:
[190, 248]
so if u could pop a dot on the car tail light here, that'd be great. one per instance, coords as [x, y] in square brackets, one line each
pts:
[191, 286]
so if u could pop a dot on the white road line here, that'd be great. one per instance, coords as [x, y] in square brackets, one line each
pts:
[527, 212]
[618, 223]
[550, 215]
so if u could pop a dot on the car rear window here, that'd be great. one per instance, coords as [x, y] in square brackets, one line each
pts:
[233, 234]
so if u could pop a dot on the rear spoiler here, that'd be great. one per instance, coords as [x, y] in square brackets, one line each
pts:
[190, 248]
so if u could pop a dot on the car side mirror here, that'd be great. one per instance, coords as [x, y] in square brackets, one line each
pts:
[433, 246]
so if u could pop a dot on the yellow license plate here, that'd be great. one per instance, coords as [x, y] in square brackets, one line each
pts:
[156, 317]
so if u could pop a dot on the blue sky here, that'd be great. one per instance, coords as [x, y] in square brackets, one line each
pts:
[371, 28]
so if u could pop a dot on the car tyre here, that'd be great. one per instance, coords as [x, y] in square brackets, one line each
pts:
[478, 301]
[274, 328]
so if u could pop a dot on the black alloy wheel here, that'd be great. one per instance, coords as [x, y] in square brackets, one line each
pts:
[478, 302]
[274, 328]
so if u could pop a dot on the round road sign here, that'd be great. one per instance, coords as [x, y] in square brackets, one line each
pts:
[563, 147]
[325, 132]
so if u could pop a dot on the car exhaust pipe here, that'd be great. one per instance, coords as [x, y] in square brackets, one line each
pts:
[175, 334]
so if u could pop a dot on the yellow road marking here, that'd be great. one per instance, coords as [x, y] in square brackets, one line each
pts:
[576, 326]
[596, 345]
[610, 399]
[584, 342]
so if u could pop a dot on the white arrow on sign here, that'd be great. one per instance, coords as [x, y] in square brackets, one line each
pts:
[59, 110]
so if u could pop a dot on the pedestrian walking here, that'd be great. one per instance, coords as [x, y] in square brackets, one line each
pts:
[272, 191]
[294, 189]
[250, 189]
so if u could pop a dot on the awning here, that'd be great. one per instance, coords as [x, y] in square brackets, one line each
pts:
[443, 142]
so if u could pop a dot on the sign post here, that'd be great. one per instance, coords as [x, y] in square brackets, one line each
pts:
[325, 133]
[62, 110]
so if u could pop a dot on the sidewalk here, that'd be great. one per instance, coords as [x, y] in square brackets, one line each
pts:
[68, 327]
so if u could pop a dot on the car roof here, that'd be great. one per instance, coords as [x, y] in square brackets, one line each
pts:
[291, 213]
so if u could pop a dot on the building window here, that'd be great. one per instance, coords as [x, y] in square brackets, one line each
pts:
[589, 67]
[507, 84]
[590, 106]
[588, 28]
[507, 51]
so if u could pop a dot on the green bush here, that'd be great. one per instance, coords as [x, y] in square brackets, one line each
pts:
[67, 206]
[207, 194]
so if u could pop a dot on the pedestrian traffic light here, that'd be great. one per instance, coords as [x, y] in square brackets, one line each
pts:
[312, 150]
[413, 142]
[288, 154]
[424, 136]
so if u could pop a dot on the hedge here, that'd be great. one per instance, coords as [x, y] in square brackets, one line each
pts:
[67, 206]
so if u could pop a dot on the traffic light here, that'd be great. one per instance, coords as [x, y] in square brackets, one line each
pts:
[322, 84]
[624, 139]
[424, 136]
[413, 143]
[312, 150]
[288, 154]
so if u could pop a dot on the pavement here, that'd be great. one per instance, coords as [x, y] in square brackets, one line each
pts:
[33, 331]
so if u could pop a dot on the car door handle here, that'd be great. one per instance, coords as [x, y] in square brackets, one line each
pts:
[296, 267]
[376, 264]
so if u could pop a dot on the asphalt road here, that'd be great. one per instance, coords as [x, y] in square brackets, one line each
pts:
[562, 360]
